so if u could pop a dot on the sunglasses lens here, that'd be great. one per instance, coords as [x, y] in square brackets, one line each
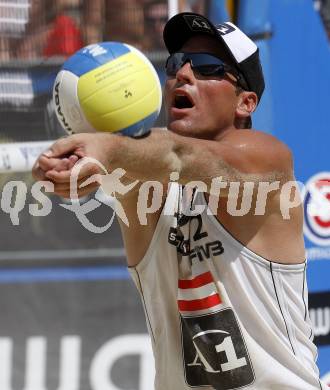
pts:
[210, 70]
[171, 67]
[203, 63]
[174, 63]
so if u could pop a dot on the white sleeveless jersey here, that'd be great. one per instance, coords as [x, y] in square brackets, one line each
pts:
[220, 316]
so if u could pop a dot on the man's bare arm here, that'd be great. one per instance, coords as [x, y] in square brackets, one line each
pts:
[240, 155]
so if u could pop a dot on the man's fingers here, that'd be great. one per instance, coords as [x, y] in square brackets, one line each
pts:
[63, 147]
[57, 164]
[72, 160]
[47, 164]
[59, 177]
[63, 165]
[65, 187]
[38, 173]
[64, 176]
[81, 192]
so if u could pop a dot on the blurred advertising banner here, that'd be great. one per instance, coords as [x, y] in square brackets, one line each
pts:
[71, 318]
[319, 308]
[72, 327]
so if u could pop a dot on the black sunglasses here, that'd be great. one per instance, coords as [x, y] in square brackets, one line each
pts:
[203, 63]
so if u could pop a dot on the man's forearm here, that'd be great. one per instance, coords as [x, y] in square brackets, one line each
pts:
[161, 153]
[158, 155]
[150, 158]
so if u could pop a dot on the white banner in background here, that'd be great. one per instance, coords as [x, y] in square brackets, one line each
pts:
[70, 362]
[20, 156]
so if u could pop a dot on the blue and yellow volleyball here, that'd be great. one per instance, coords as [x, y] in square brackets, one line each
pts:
[109, 87]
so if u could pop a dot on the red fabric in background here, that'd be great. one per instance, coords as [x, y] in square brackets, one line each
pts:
[64, 39]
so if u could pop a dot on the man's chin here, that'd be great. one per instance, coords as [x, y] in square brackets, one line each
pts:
[180, 127]
[189, 130]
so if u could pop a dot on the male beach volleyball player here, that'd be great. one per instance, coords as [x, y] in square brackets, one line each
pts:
[225, 296]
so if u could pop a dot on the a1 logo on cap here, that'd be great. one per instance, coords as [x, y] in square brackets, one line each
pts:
[225, 28]
[197, 23]
[317, 209]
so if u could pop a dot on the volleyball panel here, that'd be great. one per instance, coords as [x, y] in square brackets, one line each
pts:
[67, 106]
[94, 55]
[120, 93]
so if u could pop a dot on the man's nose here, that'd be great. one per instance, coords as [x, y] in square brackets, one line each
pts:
[185, 73]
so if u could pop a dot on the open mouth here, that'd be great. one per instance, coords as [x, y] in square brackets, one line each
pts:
[182, 101]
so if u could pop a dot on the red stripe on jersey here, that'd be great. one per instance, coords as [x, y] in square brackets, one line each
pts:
[200, 304]
[198, 281]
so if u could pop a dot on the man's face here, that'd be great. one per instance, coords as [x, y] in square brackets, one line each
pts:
[212, 100]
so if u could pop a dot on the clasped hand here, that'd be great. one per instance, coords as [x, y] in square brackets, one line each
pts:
[56, 164]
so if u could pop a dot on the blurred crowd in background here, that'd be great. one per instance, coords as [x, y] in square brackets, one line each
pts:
[32, 29]
[43, 28]
[37, 35]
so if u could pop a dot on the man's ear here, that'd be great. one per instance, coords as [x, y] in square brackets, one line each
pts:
[247, 103]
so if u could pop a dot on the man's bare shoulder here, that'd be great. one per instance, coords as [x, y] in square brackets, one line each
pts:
[264, 151]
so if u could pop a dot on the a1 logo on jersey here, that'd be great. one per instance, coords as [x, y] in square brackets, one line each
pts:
[317, 209]
[214, 351]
